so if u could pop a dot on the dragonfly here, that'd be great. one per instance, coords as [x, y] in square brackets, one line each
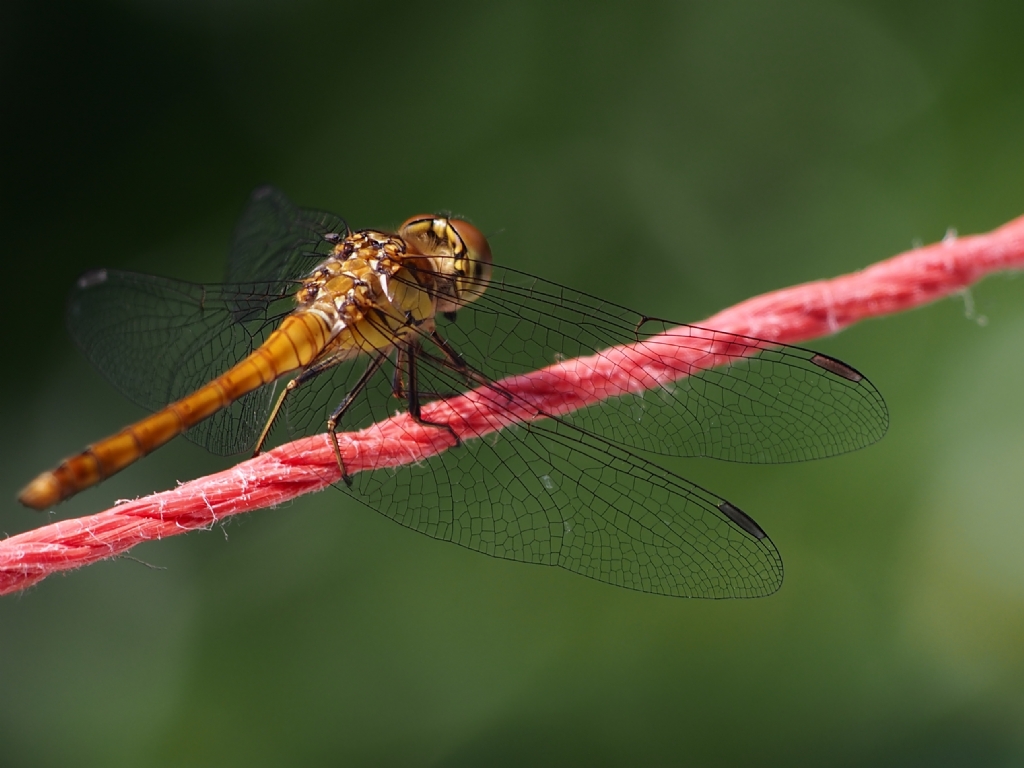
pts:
[318, 327]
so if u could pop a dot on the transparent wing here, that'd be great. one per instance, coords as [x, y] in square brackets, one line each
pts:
[276, 242]
[157, 340]
[550, 493]
[762, 402]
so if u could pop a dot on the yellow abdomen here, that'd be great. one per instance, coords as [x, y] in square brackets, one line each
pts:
[297, 342]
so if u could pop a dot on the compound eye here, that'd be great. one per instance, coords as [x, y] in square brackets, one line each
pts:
[474, 240]
[473, 268]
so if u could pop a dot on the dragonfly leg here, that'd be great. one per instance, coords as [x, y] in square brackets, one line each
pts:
[397, 385]
[454, 358]
[290, 387]
[332, 422]
[455, 362]
[414, 395]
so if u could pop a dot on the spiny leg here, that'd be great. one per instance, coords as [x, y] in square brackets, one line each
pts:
[335, 417]
[401, 353]
[455, 362]
[292, 385]
[414, 394]
[397, 385]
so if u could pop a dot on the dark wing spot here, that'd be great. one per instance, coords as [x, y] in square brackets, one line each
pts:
[742, 519]
[838, 367]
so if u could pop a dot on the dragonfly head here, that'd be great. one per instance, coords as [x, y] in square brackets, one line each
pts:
[458, 252]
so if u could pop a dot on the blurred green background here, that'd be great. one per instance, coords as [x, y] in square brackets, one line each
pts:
[708, 152]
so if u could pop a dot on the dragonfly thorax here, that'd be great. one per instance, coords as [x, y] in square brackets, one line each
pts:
[370, 294]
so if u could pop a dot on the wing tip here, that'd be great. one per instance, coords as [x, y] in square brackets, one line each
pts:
[92, 279]
[265, 190]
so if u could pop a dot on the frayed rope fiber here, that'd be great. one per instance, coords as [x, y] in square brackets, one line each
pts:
[791, 315]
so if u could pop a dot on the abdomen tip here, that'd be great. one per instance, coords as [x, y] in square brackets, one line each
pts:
[41, 493]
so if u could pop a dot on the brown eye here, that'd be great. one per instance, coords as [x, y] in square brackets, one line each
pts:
[473, 268]
[474, 240]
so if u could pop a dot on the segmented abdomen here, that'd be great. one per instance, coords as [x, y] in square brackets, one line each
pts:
[295, 344]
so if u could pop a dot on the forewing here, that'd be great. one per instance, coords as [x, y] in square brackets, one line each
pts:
[157, 340]
[276, 242]
[761, 403]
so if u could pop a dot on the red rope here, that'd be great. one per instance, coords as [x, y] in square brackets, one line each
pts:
[791, 315]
